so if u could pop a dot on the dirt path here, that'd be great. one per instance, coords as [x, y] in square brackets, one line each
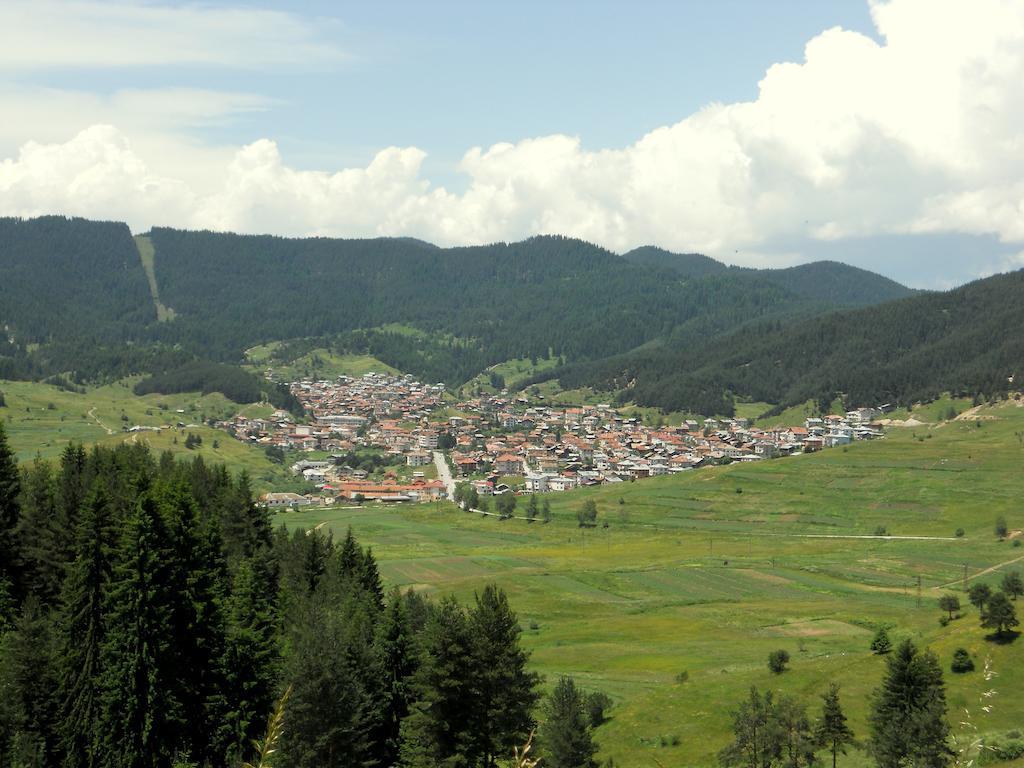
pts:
[92, 415]
[860, 536]
[984, 572]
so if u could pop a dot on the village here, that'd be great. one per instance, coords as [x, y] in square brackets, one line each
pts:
[501, 443]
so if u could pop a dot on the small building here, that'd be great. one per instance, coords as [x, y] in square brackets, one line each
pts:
[284, 500]
[418, 459]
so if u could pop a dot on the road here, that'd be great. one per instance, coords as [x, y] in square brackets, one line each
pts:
[444, 474]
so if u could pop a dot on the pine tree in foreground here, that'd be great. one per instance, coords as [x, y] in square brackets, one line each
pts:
[564, 737]
[831, 730]
[908, 712]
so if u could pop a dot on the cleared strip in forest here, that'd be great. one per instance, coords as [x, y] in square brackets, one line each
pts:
[147, 254]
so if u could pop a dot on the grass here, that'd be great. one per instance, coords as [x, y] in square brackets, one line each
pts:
[752, 410]
[935, 411]
[512, 371]
[692, 576]
[41, 419]
[324, 364]
[317, 363]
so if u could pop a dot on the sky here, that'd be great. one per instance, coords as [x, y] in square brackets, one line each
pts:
[888, 134]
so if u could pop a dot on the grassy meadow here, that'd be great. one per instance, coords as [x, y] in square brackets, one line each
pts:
[41, 419]
[674, 607]
[317, 363]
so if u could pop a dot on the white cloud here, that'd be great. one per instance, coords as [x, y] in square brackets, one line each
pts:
[922, 133]
[51, 34]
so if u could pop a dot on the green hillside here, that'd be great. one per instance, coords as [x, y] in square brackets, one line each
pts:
[901, 352]
[674, 607]
[172, 298]
[827, 281]
[41, 419]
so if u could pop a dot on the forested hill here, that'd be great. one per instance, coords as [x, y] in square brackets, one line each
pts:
[966, 341]
[75, 300]
[827, 281]
[70, 277]
[527, 299]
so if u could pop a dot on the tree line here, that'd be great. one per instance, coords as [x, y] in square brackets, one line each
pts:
[206, 377]
[150, 616]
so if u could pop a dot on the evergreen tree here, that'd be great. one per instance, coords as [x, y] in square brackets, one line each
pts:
[143, 723]
[329, 713]
[398, 659]
[439, 728]
[73, 484]
[369, 579]
[797, 739]
[881, 643]
[41, 556]
[545, 511]
[10, 489]
[82, 628]
[244, 524]
[831, 731]
[194, 575]
[251, 656]
[962, 661]
[532, 508]
[28, 713]
[507, 691]
[908, 712]
[757, 741]
[350, 556]
[564, 736]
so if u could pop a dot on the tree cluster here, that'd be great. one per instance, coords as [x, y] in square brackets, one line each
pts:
[149, 614]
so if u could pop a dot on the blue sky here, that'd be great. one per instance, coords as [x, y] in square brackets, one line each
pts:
[759, 133]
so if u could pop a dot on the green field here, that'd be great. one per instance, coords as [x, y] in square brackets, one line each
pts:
[317, 363]
[512, 371]
[41, 419]
[708, 572]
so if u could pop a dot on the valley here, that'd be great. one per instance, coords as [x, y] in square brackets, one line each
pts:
[673, 608]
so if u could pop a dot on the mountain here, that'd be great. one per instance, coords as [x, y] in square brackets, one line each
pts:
[686, 264]
[965, 341]
[828, 281]
[444, 314]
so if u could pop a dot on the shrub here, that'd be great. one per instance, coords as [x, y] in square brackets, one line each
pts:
[597, 704]
[777, 661]
[962, 661]
[881, 642]
[682, 677]
[881, 531]
[959, 533]
[998, 751]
